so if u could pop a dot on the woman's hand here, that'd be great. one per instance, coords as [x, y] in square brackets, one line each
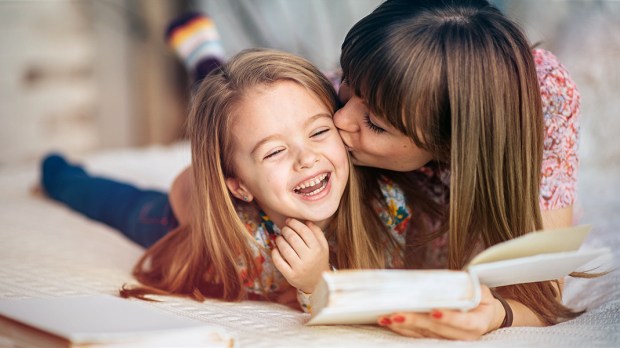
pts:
[302, 254]
[449, 324]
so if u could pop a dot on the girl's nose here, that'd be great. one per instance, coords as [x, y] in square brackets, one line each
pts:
[306, 158]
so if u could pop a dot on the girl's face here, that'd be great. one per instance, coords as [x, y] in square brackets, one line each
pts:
[288, 155]
[372, 141]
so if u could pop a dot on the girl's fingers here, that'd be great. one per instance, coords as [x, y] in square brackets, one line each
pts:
[294, 240]
[303, 231]
[280, 263]
[318, 234]
[287, 252]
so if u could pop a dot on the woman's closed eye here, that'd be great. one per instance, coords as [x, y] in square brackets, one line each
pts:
[373, 127]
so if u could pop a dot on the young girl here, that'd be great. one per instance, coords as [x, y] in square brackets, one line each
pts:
[444, 97]
[269, 176]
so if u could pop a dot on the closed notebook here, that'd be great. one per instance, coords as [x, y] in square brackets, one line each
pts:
[102, 321]
[361, 296]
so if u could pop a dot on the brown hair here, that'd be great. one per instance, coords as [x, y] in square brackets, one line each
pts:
[459, 79]
[201, 260]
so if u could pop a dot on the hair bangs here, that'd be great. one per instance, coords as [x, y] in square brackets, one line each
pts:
[408, 91]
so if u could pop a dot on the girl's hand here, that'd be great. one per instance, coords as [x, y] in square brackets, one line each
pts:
[302, 254]
[449, 324]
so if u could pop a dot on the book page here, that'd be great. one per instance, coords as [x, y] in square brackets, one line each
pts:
[535, 243]
[535, 268]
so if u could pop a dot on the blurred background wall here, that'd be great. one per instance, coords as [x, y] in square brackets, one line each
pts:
[84, 75]
[79, 76]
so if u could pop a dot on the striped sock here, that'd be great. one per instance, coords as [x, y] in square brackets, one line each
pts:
[196, 41]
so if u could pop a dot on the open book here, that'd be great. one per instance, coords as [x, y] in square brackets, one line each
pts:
[361, 296]
[101, 321]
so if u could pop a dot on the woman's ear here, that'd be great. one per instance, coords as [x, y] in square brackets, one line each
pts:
[238, 189]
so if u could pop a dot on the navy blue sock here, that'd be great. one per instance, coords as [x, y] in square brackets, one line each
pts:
[144, 216]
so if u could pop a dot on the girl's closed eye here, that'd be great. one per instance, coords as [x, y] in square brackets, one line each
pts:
[320, 132]
[373, 127]
[273, 153]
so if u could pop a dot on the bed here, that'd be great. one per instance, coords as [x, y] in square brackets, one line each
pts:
[46, 250]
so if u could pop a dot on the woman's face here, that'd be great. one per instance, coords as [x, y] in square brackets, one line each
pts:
[371, 141]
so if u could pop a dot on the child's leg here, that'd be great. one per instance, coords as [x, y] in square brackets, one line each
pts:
[143, 216]
[196, 42]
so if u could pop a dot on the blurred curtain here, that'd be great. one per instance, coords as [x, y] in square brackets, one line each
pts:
[313, 29]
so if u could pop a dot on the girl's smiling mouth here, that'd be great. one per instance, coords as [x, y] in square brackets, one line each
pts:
[312, 188]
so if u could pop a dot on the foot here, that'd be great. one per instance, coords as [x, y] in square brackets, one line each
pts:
[196, 41]
[54, 169]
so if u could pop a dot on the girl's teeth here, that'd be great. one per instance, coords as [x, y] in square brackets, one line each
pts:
[312, 182]
[316, 191]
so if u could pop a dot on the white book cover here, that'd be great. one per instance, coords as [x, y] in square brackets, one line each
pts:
[110, 321]
[361, 296]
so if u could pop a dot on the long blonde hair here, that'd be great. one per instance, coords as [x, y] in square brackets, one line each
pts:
[201, 260]
[459, 79]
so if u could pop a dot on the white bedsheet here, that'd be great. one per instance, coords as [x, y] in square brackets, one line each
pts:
[48, 250]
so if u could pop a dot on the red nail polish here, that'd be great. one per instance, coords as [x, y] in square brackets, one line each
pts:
[436, 314]
[398, 319]
[385, 321]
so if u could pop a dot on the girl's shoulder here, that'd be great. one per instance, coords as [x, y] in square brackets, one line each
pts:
[257, 224]
[249, 215]
[268, 279]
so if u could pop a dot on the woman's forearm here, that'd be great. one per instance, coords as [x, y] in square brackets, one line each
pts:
[523, 315]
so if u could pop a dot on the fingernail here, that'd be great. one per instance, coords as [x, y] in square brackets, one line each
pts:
[398, 319]
[436, 314]
[385, 321]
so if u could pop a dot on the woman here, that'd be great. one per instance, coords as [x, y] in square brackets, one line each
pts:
[444, 98]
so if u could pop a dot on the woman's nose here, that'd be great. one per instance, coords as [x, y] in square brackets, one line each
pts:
[345, 120]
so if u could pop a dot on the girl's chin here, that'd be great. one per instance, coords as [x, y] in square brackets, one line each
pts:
[322, 218]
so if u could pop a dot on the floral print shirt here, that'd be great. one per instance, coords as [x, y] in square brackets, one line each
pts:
[561, 110]
[395, 216]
